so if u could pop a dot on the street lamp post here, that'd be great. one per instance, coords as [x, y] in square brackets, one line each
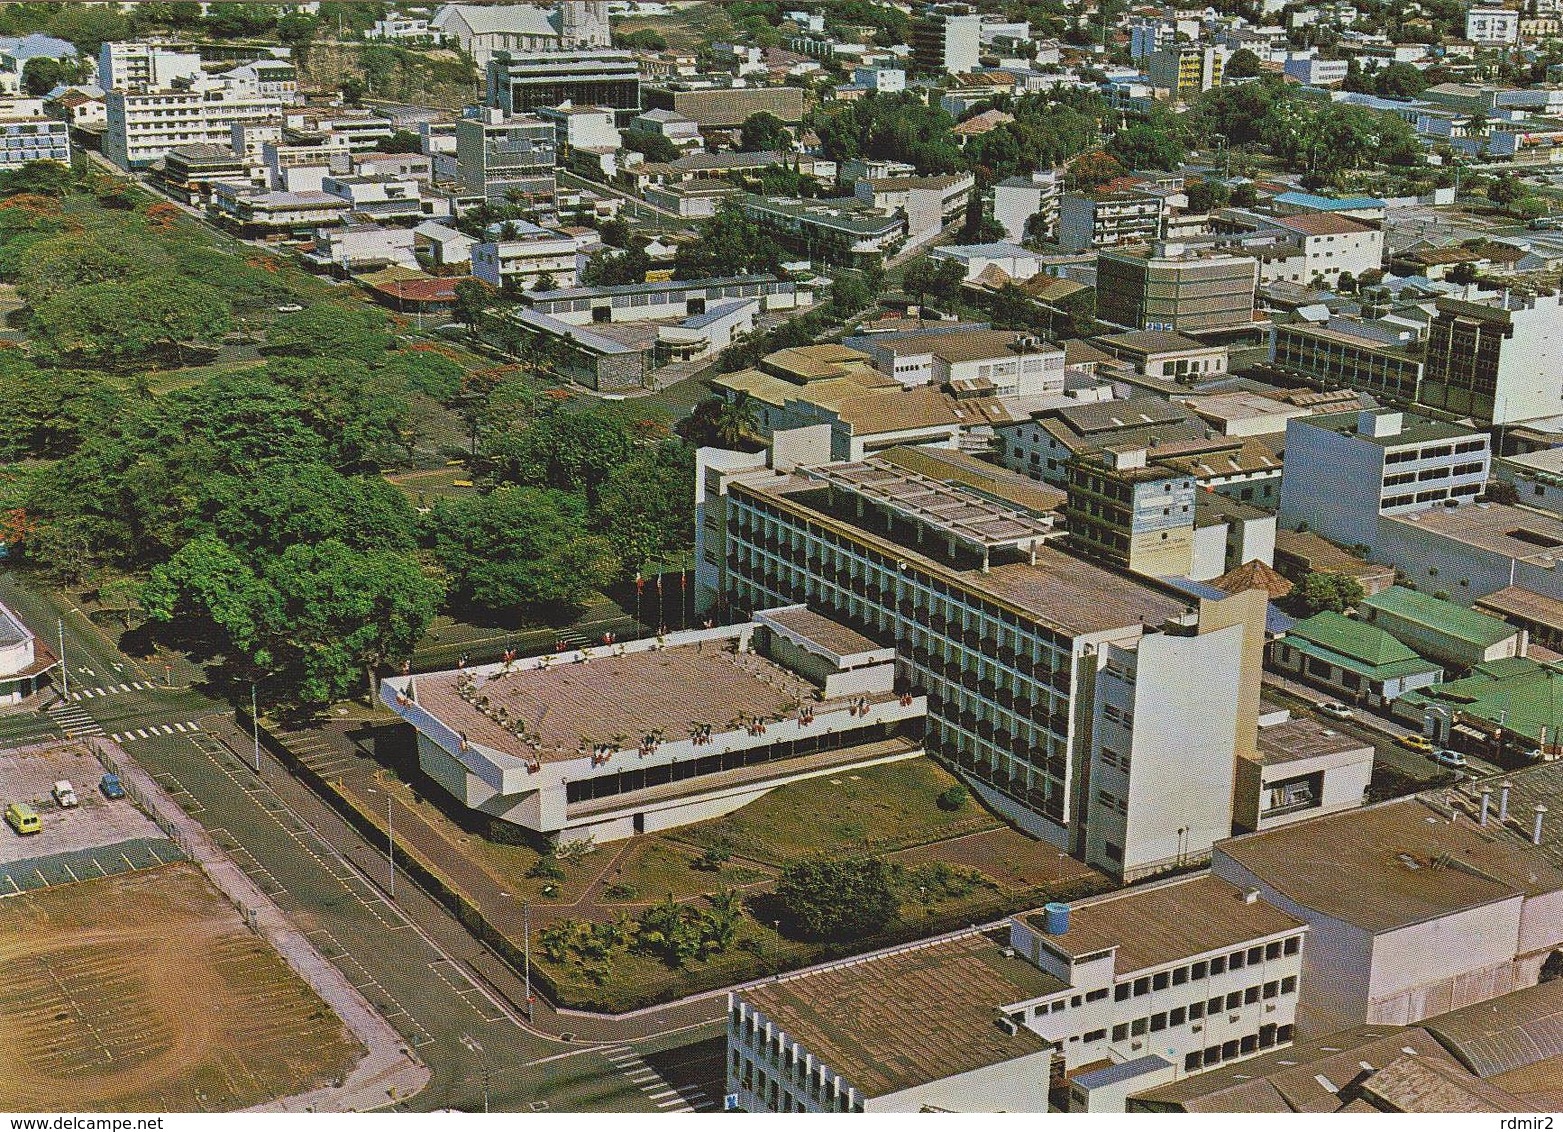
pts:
[255, 724]
[65, 669]
[526, 953]
[390, 844]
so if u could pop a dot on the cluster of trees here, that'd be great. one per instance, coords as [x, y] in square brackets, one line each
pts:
[760, 19]
[730, 243]
[892, 127]
[1049, 128]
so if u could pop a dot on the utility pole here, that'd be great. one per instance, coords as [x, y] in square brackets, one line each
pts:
[65, 669]
[390, 844]
[526, 951]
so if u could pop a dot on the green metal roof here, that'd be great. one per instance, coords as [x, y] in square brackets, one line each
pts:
[1524, 695]
[1441, 616]
[1356, 647]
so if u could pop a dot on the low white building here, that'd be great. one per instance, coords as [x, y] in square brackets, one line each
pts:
[25, 661]
[630, 738]
[1303, 769]
[1332, 245]
[1028, 206]
[1016, 262]
[363, 247]
[261, 211]
[1004, 363]
[1110, 995]
[519, 262]
[1418, 906]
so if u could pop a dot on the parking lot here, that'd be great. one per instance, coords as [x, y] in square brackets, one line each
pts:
[29, 777]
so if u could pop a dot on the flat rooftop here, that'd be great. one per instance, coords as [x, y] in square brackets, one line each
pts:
[1513, 532]
[840, 640]
[892, 1022]
[1394, 851]
[1065, 593]
[570, 705]
[950, 510]
[1527, 605]
[1413, 429]
[1302, 738]
[1162, 924]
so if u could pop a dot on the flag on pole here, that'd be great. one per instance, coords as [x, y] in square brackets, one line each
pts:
[659, 583]
[640, 583]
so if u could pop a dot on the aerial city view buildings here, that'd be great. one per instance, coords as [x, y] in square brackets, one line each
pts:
[781, 556]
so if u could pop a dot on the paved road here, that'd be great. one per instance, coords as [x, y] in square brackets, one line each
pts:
[1369, 727]
[418, 967]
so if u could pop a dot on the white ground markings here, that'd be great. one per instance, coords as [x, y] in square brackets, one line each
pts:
[154, 730]
[659, 1091]
[73, 721]
[112, 689]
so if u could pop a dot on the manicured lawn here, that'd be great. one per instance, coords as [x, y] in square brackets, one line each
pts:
[878, 809]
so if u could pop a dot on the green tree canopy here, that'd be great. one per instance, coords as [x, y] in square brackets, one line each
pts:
[730, 244]
[519, 546]
[763, 131]
[331, 330]
[839, 899]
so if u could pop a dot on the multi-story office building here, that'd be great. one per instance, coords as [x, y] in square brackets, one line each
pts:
[145, 125]
[1059, 689]
[1006, 362]
[1105, 220]
[1131, 512]
[1027, 206]
[1350, 353]
[947, 39]
[1080, 1005]
[1333, 245]
[1187, 70]
[1499, 360]
[1171, 287]
[1344, 470]
[145, 66]
[519, 81]
[33, 139]
[500, 157]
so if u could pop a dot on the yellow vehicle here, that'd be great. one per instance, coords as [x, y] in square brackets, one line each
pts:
[1415, 743]
[22, 818]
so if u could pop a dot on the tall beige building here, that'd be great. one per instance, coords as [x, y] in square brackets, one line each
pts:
[1166, 286]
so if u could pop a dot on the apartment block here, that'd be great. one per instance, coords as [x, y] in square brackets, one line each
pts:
[947, 39]
[827, 231]
[1492, 24]
[134, 65]
[499, 157]
[1105, 220]
[1169, 286]
[1333, 245]
[1036, 664]
[1499, 360]
[1186, 70]
[1078, 1005]
[1129, 511]
[144, 125]
[33, 139]
[1028, 206]
[1004, 362]
[533, 253]
[1344, 470]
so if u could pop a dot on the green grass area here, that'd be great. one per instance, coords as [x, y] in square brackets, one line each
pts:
[425, 485]
[876, 809]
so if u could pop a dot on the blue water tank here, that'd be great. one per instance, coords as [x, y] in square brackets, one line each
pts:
[1056, 918]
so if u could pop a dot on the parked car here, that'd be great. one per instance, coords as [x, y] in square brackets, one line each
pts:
[65, 794]
[22, 818]
[1415, 743]
[110, 786]
[289, 308]
[1448, 758]
[1335, 710]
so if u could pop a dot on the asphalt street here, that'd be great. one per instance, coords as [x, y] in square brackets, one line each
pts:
[416, 965]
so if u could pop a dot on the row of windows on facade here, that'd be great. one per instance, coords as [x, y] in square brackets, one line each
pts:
[1469, 490]
[1207, 968]
[1435, 452]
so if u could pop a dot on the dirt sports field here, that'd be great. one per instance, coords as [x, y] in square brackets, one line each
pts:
[146, 993]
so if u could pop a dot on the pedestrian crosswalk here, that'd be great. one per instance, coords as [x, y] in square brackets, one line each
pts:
[111, 689]
[154, 730]
[73, 720]
[658, 1089]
